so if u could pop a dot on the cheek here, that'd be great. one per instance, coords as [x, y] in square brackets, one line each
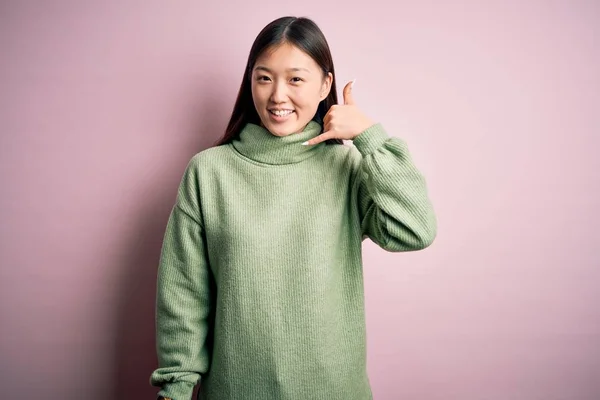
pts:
[258, 95]
[307, 98]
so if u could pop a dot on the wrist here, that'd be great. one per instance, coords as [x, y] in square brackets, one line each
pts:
[367, 123]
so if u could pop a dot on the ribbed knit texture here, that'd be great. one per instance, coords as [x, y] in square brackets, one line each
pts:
[260, 283]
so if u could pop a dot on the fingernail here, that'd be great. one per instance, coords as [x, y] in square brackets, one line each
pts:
[305, 143]
[353, 80]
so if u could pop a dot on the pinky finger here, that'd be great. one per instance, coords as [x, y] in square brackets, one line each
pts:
[321, 138]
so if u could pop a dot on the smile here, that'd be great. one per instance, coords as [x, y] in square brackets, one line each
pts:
[281, 113]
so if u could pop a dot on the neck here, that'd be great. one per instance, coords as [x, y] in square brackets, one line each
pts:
[257, 143]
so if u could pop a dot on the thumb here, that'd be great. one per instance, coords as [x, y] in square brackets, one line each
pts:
[348, 98]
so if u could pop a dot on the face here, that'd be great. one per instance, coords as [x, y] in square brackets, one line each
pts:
[287, 87]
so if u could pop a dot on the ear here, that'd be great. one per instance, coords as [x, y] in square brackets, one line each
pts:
[326, 86]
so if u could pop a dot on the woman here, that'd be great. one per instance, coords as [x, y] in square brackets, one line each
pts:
[260, 286]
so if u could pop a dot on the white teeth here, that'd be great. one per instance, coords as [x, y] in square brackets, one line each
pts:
[282, 113]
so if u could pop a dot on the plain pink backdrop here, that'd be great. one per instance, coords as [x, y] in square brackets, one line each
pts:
[103, 103]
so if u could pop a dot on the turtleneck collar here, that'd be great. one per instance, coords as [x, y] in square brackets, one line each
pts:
[260, 145]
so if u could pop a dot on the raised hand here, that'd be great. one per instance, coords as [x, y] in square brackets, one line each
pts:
[343, 121]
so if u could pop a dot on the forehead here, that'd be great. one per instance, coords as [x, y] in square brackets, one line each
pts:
[285, 56]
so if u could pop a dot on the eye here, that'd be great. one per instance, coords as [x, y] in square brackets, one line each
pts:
[262, 78]
[297, 79]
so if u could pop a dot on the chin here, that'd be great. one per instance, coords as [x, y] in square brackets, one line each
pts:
[282, 132]
[284, 129]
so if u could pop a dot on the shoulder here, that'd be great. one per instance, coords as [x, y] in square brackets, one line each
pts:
[343, 154]
[209, 158]
[204, 165]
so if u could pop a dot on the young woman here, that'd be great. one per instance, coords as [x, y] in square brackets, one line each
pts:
[260, 285]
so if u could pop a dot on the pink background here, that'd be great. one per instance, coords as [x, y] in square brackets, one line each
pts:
[103, 103]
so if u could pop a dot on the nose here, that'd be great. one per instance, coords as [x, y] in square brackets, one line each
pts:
[279, 93]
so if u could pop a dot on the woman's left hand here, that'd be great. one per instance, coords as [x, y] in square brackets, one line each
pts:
[344, 121]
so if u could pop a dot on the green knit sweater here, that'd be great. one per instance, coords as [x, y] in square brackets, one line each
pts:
[260, 283]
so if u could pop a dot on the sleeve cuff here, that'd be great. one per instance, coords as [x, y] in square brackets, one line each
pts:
[370, 139]
[177, 390]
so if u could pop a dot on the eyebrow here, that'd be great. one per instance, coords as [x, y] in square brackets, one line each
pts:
[263, 68]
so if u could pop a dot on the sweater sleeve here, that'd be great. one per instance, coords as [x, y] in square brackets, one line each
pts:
[184, 300]
[394, 207]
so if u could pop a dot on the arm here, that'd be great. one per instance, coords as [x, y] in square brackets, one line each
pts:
[394, 207]
[183, 304]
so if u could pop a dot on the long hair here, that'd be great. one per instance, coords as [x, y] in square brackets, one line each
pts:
[298, 31]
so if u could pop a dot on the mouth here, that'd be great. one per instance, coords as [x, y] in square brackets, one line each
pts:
[281, 113]
[280, 116]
